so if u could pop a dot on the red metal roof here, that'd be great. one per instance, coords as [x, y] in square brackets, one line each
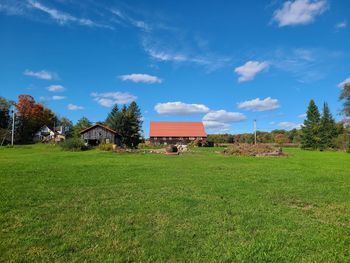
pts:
[177, 129]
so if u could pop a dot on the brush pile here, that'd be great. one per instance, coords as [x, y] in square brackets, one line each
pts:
[258, 150]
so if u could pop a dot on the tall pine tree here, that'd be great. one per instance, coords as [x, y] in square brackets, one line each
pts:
[127, 122]
[112, 116]
[345, 96]
[328, 130]
[135, 122]
[311, 129]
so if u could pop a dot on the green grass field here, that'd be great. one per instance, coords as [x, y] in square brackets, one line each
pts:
[97, 206]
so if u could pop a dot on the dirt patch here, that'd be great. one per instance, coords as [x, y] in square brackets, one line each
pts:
[259, 150]
[298, 204]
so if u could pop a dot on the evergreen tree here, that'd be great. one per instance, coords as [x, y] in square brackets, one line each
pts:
[112, 117]
[82, 124]
[127, 122]
[311, 128]
[328, 130]
[4, 113]
[134, 118]
[345, 96]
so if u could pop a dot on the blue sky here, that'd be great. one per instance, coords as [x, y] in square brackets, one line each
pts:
[224, 63]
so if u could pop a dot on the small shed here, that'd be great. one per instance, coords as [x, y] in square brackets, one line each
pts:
[98, 133]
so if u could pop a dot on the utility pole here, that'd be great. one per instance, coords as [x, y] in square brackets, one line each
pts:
[13, 127]
[254, 131]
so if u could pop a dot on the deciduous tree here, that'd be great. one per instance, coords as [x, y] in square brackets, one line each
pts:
[82, 124]
[30, 117]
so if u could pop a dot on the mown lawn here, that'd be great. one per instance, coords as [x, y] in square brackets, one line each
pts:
[97, 206]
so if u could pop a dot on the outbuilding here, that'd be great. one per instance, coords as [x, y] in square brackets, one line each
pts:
[177, 132]
[98, 133]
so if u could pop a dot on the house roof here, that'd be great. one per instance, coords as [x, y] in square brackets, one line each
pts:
[96, 125]
[177, 129]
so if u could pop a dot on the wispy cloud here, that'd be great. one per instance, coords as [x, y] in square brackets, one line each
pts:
[42, 74]
[306, 64]
[344, 82]
[58, 97]
[249, 70]
[259, 104]
[180, 108]
[209, 61]
[108, 99]
[55, 88]
[341, 25]
[299, 12]
[145, 78]
[28, 8]
[289, 125]
[131, 21]
[12, 7]
[74, 107]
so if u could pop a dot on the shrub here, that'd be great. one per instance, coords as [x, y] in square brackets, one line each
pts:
[342, 141]
[195, 143]
[106, 147]
[150, 146]
[73, 144]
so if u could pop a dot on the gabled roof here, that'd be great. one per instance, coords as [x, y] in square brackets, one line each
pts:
[98, 125]
[177, 129]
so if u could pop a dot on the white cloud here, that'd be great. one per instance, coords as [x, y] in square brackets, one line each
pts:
[299, 12]
[302, 116]
[224, 116]
[55, 88]
[341, 25]
[58, 97]
[42, 74]
[108, 99]
[145, 78]
[289, 125]
[180, 108]
[219, 121]
[259, 105]
[63, 18]
[74, 107]
[216, 125]
[248, 71]
[345, 81]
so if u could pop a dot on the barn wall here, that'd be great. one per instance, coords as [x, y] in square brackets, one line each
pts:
[99, 133]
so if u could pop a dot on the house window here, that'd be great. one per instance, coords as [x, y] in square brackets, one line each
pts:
[170, 138]
[192, 138]
[107, 140]
[155, 138]
[164, 138]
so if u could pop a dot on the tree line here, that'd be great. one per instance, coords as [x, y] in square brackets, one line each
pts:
[31, 116]
[319, 131]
